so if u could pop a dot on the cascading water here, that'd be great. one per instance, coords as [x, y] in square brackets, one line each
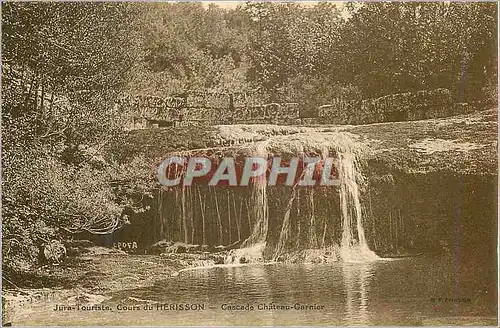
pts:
[352, 249]
[253, 247]
[279, 221]
[259, 200]
[285, 232]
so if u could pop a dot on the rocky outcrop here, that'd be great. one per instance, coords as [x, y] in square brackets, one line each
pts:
[429, 184]
[463, 143]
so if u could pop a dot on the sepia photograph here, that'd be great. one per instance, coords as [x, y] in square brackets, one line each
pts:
[232, 163]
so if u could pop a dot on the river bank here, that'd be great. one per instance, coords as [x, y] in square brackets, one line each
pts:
[335, 293]
[88, 278]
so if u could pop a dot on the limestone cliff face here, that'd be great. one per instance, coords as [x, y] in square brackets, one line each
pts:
[464, 143]
[432, 184]
[429, 185]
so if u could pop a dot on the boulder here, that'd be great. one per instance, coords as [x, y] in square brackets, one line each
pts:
[54, 251]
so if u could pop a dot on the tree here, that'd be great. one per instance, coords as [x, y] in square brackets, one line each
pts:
[399, 47]
[187, 47]
[63, 65]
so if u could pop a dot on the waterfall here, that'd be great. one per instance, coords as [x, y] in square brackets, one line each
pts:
[253, 247]
[352, 249]
[260, 213]
[285, 233]
[305, 223]
[313, 239]
[353, 244]
[259, 201]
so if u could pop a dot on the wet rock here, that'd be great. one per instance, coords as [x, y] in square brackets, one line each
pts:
[218, 259]
[160, 247]
[209, 248]
[219, 248]
[193, 248]
[175, 249]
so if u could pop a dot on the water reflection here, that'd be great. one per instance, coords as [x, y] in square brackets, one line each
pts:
[357, 278]
[374, 293]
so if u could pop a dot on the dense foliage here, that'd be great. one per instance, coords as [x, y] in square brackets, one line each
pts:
[311, 54]
[62, 66]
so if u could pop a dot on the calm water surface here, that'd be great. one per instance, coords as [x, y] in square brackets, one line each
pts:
[411, 291]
